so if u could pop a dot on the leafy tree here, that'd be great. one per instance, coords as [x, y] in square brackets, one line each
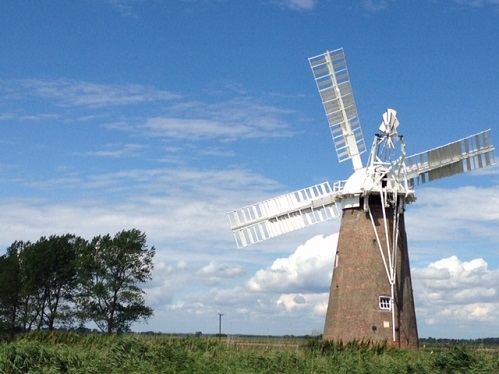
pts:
[111, 271]
[11, 287]
[61, 280]
[31, 279]
[50, 280]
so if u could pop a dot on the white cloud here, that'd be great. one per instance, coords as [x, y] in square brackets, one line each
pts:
[221, 270]
[376, 5]
[124, 7]
[458, 281]
[309, 268]
[180, 128]
[311, 303]
[178, 118]
[295, 307]
[454, 298]
[81, 93]
[459, 293]
[118, 151]
[168, 279]
[181, 207]
[40, 117]
[478, 3]
[240, 117]
[444, 222]
[215, 272]
[299, 4]
[182, 210]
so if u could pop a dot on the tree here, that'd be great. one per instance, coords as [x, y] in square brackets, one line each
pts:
[60, 254]
[11, 288]
[111, 270]
[49, 279]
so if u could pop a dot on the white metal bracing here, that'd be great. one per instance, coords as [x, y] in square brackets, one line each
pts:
[282, 214]
[471, 153]
[331, 76]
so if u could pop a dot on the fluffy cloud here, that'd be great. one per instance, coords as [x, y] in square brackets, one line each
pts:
[289, 297]
[454, 297]
[167, 280]
[215, 272]
[311, 303]
[458, 296]
[452, 274]
[309, 269]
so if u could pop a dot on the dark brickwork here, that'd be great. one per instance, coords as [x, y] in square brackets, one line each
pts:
[359, 279]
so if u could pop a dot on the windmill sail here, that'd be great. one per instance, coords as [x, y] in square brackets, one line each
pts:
[283, 214]
[331, 76]
[471, 153]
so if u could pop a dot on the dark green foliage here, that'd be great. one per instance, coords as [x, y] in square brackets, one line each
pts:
[51, 352]
[37, 281]
[65, 281]
[110, 274]
[11, 289]
[50, 279]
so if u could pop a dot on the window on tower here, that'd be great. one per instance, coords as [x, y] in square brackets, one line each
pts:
[385, 303]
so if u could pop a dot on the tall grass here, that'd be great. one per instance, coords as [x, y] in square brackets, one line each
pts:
[45, 352]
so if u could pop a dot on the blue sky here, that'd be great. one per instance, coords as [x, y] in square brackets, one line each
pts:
[163, 115]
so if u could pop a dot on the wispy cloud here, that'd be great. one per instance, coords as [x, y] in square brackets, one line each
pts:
[124, 7]
[299, 4]
[478, 3]
[190, 202]
[40, 117]
[376, 5]
[196, 129]
[453, 215]
[180, 128]
[237, 117]
[80, 93]
[118, 151]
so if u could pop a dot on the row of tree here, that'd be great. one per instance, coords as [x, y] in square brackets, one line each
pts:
[66, 282]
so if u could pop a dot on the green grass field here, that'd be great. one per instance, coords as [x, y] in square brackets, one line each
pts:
[46, 352]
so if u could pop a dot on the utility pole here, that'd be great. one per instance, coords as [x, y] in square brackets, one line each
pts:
[220, 326]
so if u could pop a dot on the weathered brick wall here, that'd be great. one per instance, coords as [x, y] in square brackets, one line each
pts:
[360, 278]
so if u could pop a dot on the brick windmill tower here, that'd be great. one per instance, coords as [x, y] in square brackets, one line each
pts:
[371, 295]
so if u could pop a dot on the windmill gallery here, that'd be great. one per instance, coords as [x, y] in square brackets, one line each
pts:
[371, 293]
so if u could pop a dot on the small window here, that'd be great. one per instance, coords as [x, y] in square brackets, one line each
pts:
[385, 303]
[336, 259]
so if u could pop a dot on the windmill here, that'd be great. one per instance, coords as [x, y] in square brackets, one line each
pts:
[371, 295]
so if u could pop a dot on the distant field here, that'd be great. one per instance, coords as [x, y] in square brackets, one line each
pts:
[92, 353]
